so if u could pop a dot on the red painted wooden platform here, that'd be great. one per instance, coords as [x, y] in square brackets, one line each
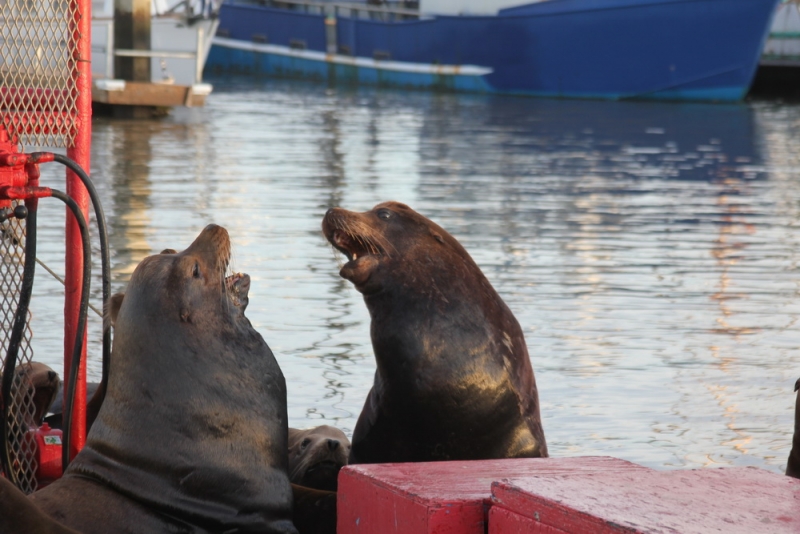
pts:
[443, 497]
[729, 500]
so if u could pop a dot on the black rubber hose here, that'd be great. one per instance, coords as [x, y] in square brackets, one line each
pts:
[69, 390]
[17, 332]
[105, 258]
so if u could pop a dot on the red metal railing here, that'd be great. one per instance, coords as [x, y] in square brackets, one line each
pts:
[80, 152]
[45, 100]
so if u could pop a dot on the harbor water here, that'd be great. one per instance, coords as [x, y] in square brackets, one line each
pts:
[649, 250]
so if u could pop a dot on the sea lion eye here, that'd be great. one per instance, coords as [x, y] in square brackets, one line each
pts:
[196, 270]
[384, 214]
[305, 442]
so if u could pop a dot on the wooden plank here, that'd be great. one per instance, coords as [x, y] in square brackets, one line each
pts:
[730, 500]
[149, 94]
[440, 497]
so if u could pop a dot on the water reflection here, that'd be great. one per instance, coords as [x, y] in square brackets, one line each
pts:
[130, 157]
[647, 249]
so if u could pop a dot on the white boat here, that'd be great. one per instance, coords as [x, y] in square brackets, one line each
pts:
[180, 38]
[782, 48]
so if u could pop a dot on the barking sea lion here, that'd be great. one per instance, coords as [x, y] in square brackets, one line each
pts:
[192, 434]
[453, 380]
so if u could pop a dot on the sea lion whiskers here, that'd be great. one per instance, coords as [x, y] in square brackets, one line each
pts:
[348, 231]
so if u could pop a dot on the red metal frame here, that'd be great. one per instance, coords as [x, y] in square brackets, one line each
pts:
[80, 152]
[19, 175]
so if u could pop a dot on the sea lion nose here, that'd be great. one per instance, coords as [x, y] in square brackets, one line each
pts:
[333, 444]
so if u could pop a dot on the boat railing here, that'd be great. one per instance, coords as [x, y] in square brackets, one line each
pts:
[385, 11]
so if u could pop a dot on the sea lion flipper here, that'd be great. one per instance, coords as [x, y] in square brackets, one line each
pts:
[20, 515]
[314, 510]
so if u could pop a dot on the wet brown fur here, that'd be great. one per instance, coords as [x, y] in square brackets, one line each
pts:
[316, 455]
[362, 233]
[453, 379]
[21, 516]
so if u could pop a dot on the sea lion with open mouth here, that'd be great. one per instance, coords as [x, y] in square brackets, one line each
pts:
[453, 379]
[192, 433]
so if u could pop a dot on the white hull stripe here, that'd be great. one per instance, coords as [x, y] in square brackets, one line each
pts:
[399, 66]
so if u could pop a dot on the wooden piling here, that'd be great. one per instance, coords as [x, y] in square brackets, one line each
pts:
[132, 32]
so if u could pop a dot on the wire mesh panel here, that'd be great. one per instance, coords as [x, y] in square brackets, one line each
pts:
[38, 70]
[40, 77]
[21, 442]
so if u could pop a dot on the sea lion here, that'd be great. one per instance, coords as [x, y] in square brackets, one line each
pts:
[316, 455]
[41, 383]
[453, 379]
[192, 434]
[793, 466]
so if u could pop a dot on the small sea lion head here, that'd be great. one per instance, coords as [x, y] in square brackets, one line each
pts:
[316, 455]
[392, 243]
[40, 383]
[184, 284]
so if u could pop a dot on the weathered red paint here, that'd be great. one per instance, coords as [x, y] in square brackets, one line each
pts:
[80, 153]
[12, 173]
[503, 521]
[440, 497]
[730, 500]
[22, 193]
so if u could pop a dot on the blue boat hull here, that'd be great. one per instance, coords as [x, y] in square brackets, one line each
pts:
[613, 49]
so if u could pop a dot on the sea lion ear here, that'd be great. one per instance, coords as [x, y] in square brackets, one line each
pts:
[114, 304]
[438, 237]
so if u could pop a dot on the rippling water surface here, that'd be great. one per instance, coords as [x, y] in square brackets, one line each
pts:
[649, 250]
